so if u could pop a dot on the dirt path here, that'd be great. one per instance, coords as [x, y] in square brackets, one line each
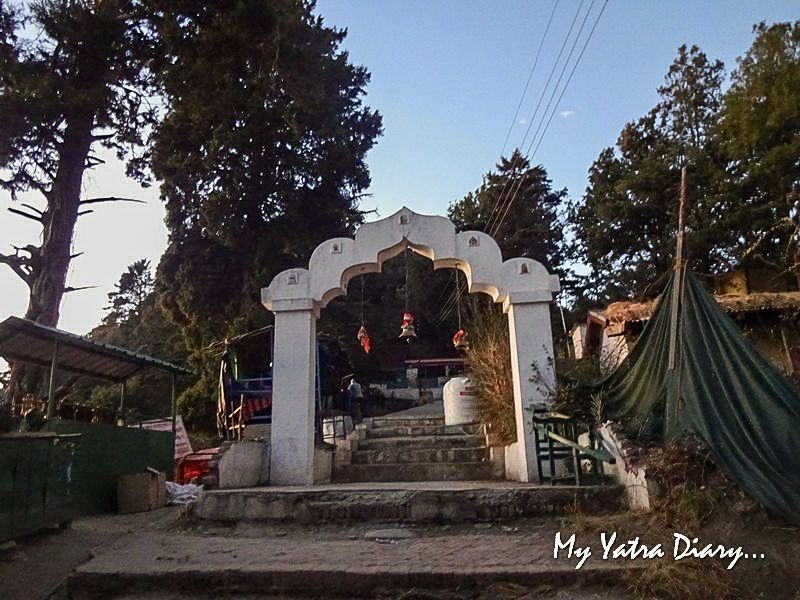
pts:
[35, 566]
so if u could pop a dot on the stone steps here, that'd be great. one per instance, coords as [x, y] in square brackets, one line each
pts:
[379, 422]
[383, 431]
[443, 502]
[406, 454]
[419, 471]
[415, 448]
[429, 441]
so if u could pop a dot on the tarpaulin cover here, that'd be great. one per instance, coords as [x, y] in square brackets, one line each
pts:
[720, 390]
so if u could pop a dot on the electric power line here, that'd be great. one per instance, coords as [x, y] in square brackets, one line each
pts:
[500, 199]
[555, 107]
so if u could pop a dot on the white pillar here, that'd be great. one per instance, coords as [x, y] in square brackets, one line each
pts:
[293, 375]
[533, 377]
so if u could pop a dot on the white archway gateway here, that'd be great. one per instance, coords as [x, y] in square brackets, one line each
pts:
[296, 297]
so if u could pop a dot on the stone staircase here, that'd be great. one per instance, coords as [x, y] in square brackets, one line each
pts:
[415, 449]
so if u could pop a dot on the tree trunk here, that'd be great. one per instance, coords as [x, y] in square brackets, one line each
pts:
[51, 262]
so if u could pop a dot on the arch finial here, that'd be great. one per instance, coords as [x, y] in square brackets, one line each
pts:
[336, 261]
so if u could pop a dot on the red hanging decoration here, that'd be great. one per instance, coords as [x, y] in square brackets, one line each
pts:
[363, 339]
[460, 340]
[408, 332]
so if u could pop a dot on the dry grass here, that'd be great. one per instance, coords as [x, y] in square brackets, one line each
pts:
[690, 485]
[685, 580]
[489, 361]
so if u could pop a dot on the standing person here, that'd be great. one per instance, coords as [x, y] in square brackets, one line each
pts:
[356, 395]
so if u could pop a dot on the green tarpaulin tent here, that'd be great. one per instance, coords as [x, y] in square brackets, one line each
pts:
[692, 371]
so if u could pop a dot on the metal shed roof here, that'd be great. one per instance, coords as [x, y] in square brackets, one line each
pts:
[28, 341]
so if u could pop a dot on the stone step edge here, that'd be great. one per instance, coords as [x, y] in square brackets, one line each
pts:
[85, 583]
[416, 465]
[399, 503]
[443, 436]
[367, 456]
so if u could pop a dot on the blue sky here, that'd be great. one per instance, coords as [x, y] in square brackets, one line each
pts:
[447, 77]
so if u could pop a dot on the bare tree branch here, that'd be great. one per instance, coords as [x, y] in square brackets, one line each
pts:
[93, 161]
[111, 199]
[26, 215]
[77, 289]
[783, 224]
[33, 208]
[18, 264]
[84, 212]
[103, 136]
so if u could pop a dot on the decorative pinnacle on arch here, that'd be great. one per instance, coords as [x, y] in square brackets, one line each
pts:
[336, 261]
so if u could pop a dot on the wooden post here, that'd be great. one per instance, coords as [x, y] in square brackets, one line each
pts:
[51, 400]
[682, 218]
[676, 286]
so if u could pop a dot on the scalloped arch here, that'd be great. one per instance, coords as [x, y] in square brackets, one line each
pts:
[336, 261]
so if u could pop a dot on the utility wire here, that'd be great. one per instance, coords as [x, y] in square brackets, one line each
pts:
[447, 308]
[525, 91]
[500, 199]
[555, 107]
[518, 182]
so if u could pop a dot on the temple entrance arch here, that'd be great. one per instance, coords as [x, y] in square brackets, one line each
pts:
[296, 296]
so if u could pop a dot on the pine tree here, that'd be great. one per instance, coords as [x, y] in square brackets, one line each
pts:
[624, 226]
[518, 206]
[74, 77]
[261, 158]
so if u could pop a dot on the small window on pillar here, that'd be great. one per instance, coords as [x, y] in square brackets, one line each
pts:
[523, 269]
[474, 242]
[291, 279]
[403, 219]
[336, 248]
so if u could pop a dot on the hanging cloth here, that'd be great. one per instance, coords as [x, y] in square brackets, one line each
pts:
[719, 389]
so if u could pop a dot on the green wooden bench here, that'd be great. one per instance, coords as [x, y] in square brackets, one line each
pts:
[556, 438]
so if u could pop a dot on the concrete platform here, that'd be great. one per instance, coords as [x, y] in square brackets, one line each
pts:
[411, 502]
[333, 564]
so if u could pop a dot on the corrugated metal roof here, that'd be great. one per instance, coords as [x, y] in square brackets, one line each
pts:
[27, 341]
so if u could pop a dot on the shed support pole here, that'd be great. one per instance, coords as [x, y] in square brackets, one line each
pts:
[174, 401]
[121, 397]
[51, 399]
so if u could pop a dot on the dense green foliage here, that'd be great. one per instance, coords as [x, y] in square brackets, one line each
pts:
[261, 157]
[133, 321]
[740, 147]
[251, 117]
[518, 206]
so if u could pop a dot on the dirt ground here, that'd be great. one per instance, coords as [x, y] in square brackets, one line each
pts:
[37, 566]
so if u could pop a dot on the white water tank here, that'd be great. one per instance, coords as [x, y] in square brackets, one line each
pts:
[460, 402]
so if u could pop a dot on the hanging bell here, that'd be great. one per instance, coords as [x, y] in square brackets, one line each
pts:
[363, 339]
[408, 332]
[460, 340]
